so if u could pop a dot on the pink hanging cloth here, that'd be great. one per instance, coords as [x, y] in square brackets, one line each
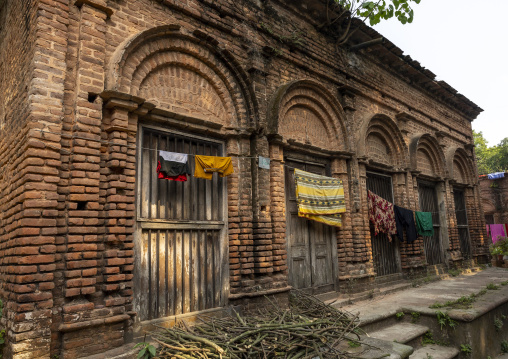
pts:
[497, 230]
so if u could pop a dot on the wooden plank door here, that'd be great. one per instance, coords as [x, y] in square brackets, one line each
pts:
[428, 203]
[312, 246]
[462, 224]
[385, 253]
[181, 250]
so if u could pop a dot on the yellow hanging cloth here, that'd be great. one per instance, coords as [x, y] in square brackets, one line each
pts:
[319, 198]
[206, 165]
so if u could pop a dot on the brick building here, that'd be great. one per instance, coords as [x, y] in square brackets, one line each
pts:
[93, 246]
[494, 195]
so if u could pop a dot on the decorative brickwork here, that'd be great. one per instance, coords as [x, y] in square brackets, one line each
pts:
[82, 80]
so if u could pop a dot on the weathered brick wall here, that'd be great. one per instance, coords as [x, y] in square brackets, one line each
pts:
[246, 74]
[494, 194]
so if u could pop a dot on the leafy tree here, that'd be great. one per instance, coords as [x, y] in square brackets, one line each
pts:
[490, 159]
[342, 13]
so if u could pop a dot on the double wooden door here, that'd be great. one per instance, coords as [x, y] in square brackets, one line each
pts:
[312, 246]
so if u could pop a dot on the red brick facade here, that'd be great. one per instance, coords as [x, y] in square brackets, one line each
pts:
[79, 79]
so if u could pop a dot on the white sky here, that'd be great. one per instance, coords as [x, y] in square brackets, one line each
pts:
[465, 43]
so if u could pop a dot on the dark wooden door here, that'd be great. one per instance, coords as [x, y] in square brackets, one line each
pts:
[428, 203]
[385, 253]
[312, 248]
[462, 224]
[181, 251]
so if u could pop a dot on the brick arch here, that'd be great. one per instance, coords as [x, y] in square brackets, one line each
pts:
[183, 74]
[381, 131]
[426, 155]
[305, 111]
[460, 167]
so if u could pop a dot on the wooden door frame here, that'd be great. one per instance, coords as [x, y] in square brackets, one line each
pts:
[141, 223]
[326, 164]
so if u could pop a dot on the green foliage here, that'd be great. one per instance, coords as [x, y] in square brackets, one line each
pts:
[490, 159]
[492, 286]
[415, 317]
[454, 272]
[504, 346]
[399, 315]
[498, 324]
[444, 320]
[428, 339]
[376, 11]
[429, 356]
[147, 350]
[500, 247]
[353, 344]
[466, 348]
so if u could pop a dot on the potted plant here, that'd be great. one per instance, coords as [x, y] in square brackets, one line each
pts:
[499, 250]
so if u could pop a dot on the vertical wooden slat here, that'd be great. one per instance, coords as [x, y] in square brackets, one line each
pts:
[162, 194]
[209, 270]
[154, 275]
[172, 272]
[142, 277]
[214, 205]
[186, 271]
[208, 191]
[186, 200]
[162, 286]
[202, 270]
[216, 268]
[145, 179]
[154, 182]
[179, 188]
[178, 273]
[194, 271]
[194, 186]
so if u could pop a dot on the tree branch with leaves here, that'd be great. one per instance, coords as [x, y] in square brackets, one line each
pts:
[341, 14]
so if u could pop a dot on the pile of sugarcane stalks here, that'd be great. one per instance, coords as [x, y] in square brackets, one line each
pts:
[308, 329]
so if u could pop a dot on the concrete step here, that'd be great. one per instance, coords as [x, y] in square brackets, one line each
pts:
[435, 351]
[502, 356]
[347, 299]
[404, 333]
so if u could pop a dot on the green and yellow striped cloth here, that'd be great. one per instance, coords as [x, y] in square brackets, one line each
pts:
[319, 198]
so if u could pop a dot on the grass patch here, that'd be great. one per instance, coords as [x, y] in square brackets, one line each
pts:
[492, 286]
[504, 346]
[415, 317]
[454, 272]
[466, 348]
[399, 315]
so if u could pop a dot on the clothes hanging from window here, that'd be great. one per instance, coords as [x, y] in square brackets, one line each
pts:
[496, 231]
[381, 215]
[404, 219]
[495, 175]
[424, 224]
[173, 166]
[206, 165]
[319, 198]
